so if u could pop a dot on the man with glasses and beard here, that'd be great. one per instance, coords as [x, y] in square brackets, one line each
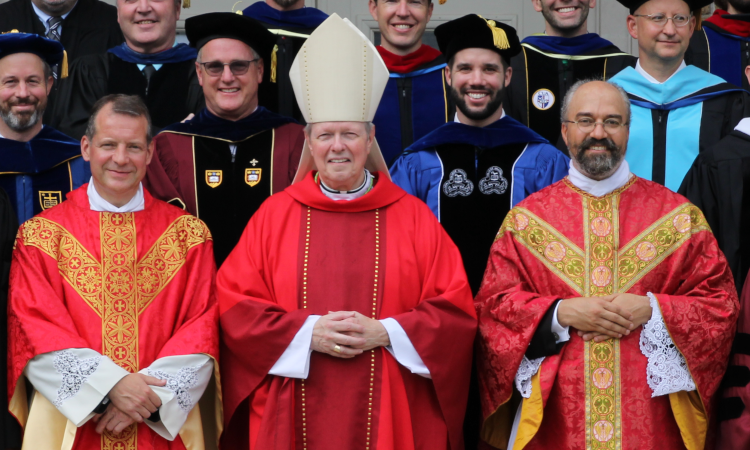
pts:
[678, 110]
[550, 62]
[722, 44]
[607, 311]
[222, 164]
[38, 164]
[471, 171]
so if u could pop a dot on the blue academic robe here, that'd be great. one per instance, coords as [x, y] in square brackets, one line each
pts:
[673, 121]
[470, 177]
[38, 174]
[720, 52]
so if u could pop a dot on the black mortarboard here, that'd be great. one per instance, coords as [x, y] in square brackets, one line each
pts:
[473, 31]
[694, 5]
[14, 42]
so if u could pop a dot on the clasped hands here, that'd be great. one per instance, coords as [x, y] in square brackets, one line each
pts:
[602, 318]
[346, 334]
[131, 400]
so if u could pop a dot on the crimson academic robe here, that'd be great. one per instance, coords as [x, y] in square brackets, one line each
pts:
[147, 277]
[383, 254]
[564, 243]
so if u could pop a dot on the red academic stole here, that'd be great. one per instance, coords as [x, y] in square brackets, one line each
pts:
[322, 421]
[409, 63]
[733, 26]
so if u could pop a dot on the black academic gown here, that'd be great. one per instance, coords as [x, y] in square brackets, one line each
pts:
[538, 72]
[90, 28]
[172, 94]
[719, 184]
[10, 431]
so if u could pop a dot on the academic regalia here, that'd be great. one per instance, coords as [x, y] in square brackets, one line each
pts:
[719, 184]
[673, 121]
[547, 67]
[562, 243]
[171, 95]
[134, 289]
[498, 166]
[193, 168]
[303, 253]
[415, 101]
[292, 29]
[722, 47]
[10, 432]
[38, 174]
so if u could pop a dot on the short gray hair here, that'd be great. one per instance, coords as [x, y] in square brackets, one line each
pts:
[578, 84]
[368, 127]
[129, 105]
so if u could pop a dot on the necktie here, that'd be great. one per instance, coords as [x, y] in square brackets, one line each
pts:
[54, 34]
[148, 72]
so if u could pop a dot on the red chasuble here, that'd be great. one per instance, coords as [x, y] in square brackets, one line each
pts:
[133, 286]
[384, 255]
[564, 243]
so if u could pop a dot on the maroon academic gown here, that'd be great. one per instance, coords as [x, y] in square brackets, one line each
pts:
[384, 255]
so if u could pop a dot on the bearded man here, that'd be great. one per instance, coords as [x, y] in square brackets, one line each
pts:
[634, 270]
[38, 164]
[551, 62]
[472, 171]
[722, 44]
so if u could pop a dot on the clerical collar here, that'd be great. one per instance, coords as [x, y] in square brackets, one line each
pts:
[347, 195]
[97, 203]
[603, 187]
[455, 118]
[651, 79]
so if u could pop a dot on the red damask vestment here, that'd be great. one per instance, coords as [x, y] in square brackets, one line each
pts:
[133, 286]
[384, 255]
[562, 243]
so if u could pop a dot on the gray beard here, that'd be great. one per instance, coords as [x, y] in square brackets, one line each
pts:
[597, 165]
[20, 124]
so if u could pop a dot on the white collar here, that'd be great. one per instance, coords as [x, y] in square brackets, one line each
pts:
[455, 118]
[651, 79]
[603, 187]
[44, 17]
[744, 126]
[3, 137]
[348, 195]
[97, 203]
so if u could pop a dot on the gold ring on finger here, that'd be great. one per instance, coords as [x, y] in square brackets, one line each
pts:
[337, 348]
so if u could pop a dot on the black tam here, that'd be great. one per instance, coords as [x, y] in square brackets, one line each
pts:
[473, 31]
[202, 29]
[633, 5]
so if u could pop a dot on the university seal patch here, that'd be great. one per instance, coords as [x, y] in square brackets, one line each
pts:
[543, 99]
[494, 182]
[213, 178]
[252, 176]
[48, 199]
[458, 184]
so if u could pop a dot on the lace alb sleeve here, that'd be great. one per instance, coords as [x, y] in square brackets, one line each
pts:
[667, 371]
[75, 380]
[187, 377]
[527, 369]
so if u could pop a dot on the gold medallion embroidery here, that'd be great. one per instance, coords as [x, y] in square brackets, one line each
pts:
[118, 289]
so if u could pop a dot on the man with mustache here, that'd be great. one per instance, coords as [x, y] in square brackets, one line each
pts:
[473, 170]
[722, 44]
[414, 102]
[551, 62]
[292, 22]
[678, 110]
[39, 165]
[607, 311]
[148, 64]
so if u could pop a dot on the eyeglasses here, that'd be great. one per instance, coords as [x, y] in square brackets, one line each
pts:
[587, 125]
[679, 20]
[216, 68]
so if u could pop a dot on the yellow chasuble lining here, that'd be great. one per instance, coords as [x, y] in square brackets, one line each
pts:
[603, 268]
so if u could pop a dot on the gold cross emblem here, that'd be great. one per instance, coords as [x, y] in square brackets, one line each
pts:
[254, 162]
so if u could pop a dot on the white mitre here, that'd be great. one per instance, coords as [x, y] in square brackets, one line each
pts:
[338, 76]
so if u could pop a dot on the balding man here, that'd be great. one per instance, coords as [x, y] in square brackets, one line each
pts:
[600, 292]
[222, 164]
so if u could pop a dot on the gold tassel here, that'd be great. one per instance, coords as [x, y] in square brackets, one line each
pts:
[274, 63]
[11, 31]
[186, 3]
[442, 2]
[698, 13]
[499, 36]
[64, 66]
[237, 11]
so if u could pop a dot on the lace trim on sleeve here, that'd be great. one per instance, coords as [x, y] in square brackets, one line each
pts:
[180, 383]
[527, 369]
[75, 371]
[667, 371]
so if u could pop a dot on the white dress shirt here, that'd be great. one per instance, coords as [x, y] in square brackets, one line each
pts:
[651, 79]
